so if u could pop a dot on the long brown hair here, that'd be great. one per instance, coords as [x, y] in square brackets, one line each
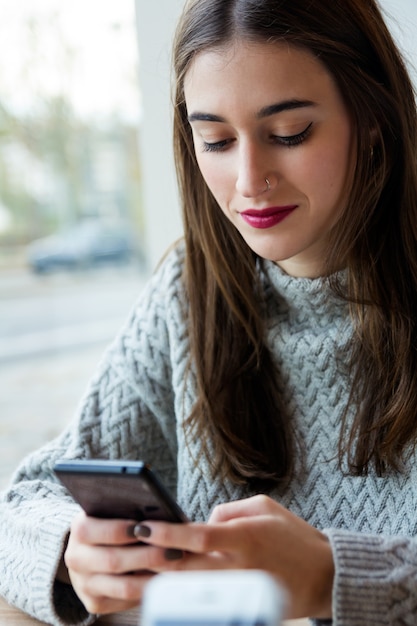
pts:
[239, 407]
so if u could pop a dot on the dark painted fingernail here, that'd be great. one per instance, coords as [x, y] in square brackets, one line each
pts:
[172, 554]
[130, 531]
[140, 530]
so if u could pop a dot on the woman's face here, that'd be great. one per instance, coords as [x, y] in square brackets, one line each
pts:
[275, 145]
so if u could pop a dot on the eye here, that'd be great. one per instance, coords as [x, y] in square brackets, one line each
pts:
[217, 146]
[293, 140]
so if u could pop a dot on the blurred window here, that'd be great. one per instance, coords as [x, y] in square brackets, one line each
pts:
[71, 240]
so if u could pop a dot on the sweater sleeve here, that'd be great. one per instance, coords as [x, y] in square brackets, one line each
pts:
[127, 412]
[375, 579]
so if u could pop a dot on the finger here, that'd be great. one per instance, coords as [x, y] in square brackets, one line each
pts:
[95, 531]
[90, 560]
[194, 537]
[106, 594]
[248, 507]
[197, 562]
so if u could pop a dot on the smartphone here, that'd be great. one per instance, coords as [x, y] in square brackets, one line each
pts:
[213, 598]
[118, 489]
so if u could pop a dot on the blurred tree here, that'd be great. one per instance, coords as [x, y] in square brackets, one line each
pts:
[52, 168]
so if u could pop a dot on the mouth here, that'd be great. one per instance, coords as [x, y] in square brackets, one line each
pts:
[267, 218]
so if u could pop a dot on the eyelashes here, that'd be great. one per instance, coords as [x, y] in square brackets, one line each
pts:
[293, 140]
[288, 141]
[218, 146]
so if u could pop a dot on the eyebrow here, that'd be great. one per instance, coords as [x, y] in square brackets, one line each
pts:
[272, 109]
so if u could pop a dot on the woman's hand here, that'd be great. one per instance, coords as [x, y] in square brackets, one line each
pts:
[256, 533]
[108, 569]
[102, 558]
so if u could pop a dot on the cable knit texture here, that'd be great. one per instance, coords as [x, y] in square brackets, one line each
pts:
[134, 409]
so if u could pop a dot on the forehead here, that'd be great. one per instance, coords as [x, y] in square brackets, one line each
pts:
[249, 71]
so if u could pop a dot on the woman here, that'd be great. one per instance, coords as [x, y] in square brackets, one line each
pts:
[274, 353]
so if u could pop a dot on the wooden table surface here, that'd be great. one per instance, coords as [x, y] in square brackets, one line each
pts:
[9, 616]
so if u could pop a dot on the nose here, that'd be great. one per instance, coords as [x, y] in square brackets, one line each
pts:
[253, 174]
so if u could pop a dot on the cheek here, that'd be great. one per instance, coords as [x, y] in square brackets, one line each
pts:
[217, 178]
[329, 175]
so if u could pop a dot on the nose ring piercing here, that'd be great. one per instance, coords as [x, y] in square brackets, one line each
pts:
[268, 185]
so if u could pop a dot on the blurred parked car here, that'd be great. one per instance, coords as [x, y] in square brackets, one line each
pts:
[84, 245]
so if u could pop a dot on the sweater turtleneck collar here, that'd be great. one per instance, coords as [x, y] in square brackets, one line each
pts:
[312, 297]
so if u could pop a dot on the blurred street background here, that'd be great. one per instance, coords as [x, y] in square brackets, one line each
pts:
[53, 331]
[72, 259]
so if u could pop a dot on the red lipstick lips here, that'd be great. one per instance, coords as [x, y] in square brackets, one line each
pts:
[267, 218]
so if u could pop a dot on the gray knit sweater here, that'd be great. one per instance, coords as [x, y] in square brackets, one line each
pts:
[134, 409]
